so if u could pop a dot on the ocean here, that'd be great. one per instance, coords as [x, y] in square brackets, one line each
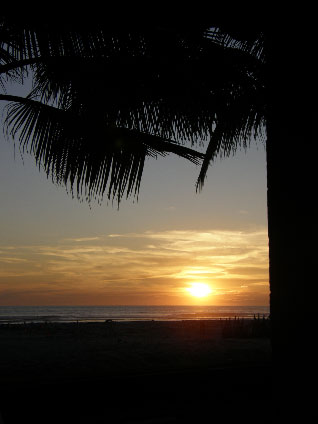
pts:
[20, 314]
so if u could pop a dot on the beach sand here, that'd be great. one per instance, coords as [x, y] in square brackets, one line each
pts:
[153, 366]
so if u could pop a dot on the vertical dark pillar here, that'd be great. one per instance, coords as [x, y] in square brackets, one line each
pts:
[292, 222]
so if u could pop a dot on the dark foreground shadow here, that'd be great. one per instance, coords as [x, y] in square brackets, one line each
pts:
[226, 394]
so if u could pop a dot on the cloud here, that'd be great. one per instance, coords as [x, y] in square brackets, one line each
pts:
[5, 259]
[154, 262]
[81, 239]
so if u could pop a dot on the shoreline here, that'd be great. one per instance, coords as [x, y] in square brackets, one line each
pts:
[127, 313]
[53, 320]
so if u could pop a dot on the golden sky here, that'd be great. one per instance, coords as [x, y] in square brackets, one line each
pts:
[150, 267]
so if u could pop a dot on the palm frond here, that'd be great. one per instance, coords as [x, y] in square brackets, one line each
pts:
[172, 94]
[238, 124]
[124, 91]
[87, 155]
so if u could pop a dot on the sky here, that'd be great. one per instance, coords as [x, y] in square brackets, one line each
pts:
[55, 250]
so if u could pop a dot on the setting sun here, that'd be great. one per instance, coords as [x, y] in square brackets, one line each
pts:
[199, 289]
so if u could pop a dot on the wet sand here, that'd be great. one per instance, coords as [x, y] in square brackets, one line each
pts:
[153, 366]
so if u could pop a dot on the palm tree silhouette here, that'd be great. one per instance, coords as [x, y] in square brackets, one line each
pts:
[106, 96]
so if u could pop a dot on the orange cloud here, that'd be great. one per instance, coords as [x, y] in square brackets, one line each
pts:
[125, 268]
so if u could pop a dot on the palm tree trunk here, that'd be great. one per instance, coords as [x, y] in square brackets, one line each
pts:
[291, 220]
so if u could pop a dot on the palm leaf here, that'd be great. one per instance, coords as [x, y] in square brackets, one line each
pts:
[87, 155]
[150, 86]
[174, 97]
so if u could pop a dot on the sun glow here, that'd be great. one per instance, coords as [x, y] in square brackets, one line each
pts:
[199, 289]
